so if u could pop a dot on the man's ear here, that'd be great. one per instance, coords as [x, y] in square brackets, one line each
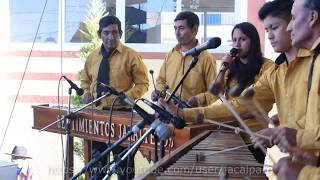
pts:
[314, 18]
[99, 33]
[120, 32]
[195, 29]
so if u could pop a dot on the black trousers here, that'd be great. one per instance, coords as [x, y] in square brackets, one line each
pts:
[126, 169]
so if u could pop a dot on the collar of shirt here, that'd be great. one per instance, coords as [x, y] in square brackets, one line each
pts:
[281, 59]
[315, 44]
[178, 46]
[302, 53]
[119, 48]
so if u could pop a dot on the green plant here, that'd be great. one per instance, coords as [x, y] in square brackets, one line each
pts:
[91, 25]
[96, 11]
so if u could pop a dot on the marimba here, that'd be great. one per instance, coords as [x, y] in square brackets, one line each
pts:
[93, 125]
[210, 155]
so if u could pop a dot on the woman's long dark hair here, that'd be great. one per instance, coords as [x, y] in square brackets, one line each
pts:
[245, 74]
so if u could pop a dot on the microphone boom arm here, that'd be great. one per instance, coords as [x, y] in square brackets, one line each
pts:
[191, 65]
[138, 126]
[136, 145]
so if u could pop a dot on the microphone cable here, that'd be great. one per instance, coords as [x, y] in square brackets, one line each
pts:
[130, 140]
[109, 129]
[60, 115]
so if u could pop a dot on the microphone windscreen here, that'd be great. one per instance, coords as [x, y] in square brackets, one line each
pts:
[163, 132]
[80, 92]
[214, 43]
[178, 123]
[151, 71]
[234, 52]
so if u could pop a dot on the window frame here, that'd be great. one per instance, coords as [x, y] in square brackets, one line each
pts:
[240, 13]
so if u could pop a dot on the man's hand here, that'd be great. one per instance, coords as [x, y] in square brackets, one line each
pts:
[227, 58]
[301, 156]
[264, 142]
[284, 138]
[193, 102]
[87, 98]
[155, 95]
[286, 169]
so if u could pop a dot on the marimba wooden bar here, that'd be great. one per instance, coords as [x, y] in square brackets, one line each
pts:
[210, 155]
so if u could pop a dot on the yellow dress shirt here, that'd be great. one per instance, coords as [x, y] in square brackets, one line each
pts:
[308, 137]
[310, 173]
[127, 74]
[197, 81]
[218, 111]
[286, 85]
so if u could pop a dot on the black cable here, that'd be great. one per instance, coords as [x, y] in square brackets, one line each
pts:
[23, 75]
[109, 130]
[59, 110]
[92, 113]
[130, 140]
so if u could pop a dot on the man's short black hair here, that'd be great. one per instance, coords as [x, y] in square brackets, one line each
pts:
[192, 18]
[313, 5]
[276, 8]
[108, 20]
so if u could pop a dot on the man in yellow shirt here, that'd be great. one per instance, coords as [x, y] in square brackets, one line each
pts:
[195, 86]
[305, 33]
[122, 67]
[118, 66]
[284, 84]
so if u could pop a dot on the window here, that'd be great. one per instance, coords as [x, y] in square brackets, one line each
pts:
[217, 18]
[25, 16]
[76, 13]
[24, 19]
[147, 21]
[80, 11]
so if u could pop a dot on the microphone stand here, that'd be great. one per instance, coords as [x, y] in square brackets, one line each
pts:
[67, 124]
[191, 65]
[136, 145]
[67, 130]
[135, 129]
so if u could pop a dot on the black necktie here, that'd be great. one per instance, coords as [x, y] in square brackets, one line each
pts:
[103, 74]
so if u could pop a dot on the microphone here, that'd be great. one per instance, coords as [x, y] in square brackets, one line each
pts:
[182, 104]
[233, 52]
[78, 90]
[146, 116]
[154, 85]
[110, 89]
[212, 43]
[161, 130]
[216, 86]
[165, 115]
